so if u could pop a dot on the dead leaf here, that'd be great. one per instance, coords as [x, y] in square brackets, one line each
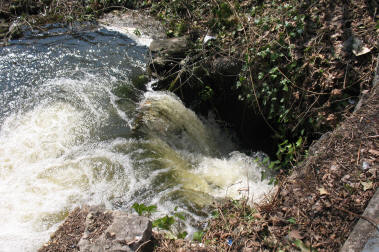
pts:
[367, 185]
[323, 191]
[374, 152]
[275, 219]
[365, 91]
[331, 117]
[233, 221]
[257, 216]
[295, 235]
[336, 92]
[361, 51]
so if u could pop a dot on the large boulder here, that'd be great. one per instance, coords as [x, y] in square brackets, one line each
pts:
[174, 47]
[94, 229]
[167, 55]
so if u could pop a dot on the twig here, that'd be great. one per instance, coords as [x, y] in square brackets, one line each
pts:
[344, 80]
[359, 153]
[143, 244]
[293, 84]
[305, 114]
[219, 210]
[375, 136]
[372, 221]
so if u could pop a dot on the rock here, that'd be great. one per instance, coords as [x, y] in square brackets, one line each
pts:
[365, 235]
[136, 24]
[168, 55]
[140, 81]
[173, 47]
[92, 229]
[226, 66]
[15, 30]
[125, 232]
[159, 66]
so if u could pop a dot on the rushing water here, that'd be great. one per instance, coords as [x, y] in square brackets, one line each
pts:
[75, 130]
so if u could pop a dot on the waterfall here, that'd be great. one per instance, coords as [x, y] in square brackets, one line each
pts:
[74, 130]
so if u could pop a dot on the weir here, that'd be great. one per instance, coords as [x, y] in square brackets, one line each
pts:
[75, 130]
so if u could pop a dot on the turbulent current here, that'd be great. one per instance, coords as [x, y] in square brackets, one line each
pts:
[76, 128]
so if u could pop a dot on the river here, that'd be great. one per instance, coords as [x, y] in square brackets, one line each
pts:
[76, 128]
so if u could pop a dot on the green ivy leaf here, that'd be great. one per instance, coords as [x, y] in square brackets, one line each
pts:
[182, 235]
[164, 222]
[198, 236]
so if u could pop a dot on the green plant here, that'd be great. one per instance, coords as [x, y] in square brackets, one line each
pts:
[292, 220]
[289, 153]
[164, 223]
[167, 221]
[215, 213]
[137, 32]
[206, 93]
[182, 235]
[141, 209]
[198, 236]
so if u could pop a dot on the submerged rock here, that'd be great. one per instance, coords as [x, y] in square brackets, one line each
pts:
[93, 229]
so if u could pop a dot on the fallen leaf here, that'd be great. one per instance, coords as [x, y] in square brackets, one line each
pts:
[361, 51]
[275, 219]
[374, 152]
[367, 185]
[331, 117]
[257, 216]
[233, 221]
[294, 234]
[336, 92]
[323, 191]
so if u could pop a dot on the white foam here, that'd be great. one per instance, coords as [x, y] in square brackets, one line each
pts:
[238, 176]
[30, 144]
[131, 32]
[48, 165]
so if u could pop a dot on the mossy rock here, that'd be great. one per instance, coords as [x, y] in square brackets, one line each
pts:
[140, 81]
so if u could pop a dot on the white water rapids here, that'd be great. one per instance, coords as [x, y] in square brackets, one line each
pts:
[75, 130]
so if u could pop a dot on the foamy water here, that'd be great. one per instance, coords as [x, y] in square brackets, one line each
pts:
[74, 130]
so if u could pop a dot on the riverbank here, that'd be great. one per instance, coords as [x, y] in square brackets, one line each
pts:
[301, 70]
